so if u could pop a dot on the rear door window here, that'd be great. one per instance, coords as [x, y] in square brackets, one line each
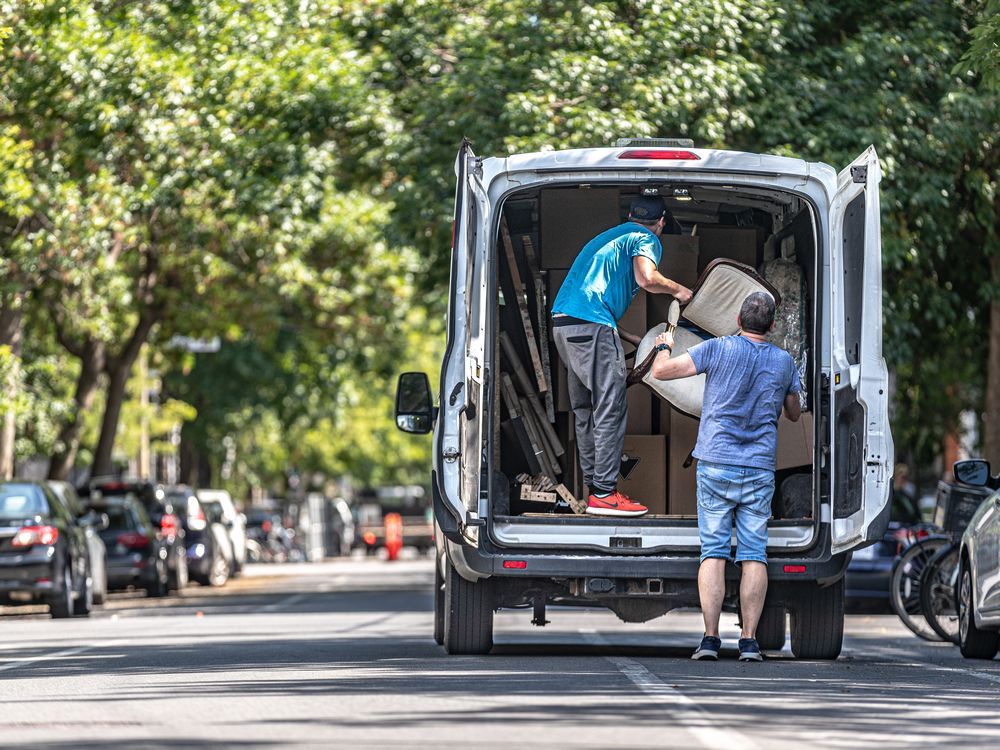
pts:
[18, 501]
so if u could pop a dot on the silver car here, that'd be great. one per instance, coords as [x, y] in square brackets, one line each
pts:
[220, 505]
[978, 593]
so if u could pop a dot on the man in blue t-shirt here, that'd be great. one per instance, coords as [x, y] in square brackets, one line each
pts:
[604, 278]
[748, 383]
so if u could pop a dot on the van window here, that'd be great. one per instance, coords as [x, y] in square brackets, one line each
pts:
[854, 276]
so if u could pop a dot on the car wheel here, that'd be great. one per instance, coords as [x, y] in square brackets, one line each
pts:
[438, 604]
[61, 603]
[817, 621]
[219, 573]
[468, 616]
[179, 576]
[159, 586]
[100, 588]
[973, 642]
[84, 601]
[771, 629]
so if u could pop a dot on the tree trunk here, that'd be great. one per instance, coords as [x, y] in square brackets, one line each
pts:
[92, 360]
[118, 369]
[991, 419]
[11, 317]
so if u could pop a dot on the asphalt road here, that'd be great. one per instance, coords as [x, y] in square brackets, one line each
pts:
[340, 654]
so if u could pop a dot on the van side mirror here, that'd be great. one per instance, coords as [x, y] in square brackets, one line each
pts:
[975, 472]
[414, 410]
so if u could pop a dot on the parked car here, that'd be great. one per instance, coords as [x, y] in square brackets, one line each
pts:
[870, 570]
[92, 523]
[137, 553]
[43, 550]
[978, 586]
[166, 522]
[209, 551]
[219, 505]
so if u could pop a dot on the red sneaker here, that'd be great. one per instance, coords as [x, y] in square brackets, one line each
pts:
[615, 504]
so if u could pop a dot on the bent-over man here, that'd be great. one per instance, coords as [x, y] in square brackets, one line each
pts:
[748, 382]
[600, 285]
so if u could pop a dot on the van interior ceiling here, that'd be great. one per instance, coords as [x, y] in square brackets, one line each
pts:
[535, 467]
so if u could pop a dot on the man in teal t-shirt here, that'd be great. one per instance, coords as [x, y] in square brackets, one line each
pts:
[604, 278]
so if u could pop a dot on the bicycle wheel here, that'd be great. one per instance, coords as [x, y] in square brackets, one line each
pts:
[904, 589]
[937, 593]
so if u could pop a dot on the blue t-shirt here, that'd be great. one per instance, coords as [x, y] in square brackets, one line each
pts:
[600, 284]
[745, 388]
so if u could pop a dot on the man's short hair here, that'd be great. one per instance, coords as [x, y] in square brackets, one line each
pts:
[647, 209]
[757, 313]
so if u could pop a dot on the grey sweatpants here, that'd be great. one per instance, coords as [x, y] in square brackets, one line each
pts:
[594, 358]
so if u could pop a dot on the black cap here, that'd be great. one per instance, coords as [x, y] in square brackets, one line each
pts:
[647, 208]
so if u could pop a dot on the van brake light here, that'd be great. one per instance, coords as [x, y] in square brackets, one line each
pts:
[515, 564]
[659, 153]
[795, 568]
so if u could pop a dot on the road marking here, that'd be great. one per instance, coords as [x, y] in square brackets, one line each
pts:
[689, 713]
[282, 603]
[21, 661]
[903, 654]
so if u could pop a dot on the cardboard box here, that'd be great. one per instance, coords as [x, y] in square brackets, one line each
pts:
[643, 474]
[795, 442]
[639, 400]
[679, 263]
[683, 485]
[572, 217]
[736, 243]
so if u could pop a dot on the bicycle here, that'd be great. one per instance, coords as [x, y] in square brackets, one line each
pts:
[937, 592]
[921, 543]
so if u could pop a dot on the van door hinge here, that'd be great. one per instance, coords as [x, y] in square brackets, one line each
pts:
[451, 453]
[859, 174]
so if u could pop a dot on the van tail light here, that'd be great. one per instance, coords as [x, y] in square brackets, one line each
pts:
[659, 153]
[515, 564]
[795, 568]
[31, 535]
[133, 540]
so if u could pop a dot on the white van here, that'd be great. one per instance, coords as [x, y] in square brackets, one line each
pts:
[507, 540]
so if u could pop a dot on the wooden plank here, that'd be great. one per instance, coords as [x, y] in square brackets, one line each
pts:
[507, 346]
[537, 444]
[528, 493]
[519, 434]
[579, 507]
[541, 303]
[535, 421]
[522, 306]
[509, 396]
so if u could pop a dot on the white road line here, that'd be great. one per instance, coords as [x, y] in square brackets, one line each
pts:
[21, 661]
[282, 603]
[689, 713]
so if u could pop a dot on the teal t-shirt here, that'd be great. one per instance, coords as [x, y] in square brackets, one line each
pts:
[600, 284]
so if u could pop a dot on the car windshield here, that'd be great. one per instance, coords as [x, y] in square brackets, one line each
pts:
[120, 517]
[213, 510]
[21, 501]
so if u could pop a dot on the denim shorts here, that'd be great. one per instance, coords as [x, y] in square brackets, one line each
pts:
[724, 491]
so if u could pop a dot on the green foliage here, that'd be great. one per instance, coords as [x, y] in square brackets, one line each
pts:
[983, 55]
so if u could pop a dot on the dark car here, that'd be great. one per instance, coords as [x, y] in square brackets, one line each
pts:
[92, 524]
[870, 570]
[209, 551]
[169, 529]
[137, 554]
[43, 550]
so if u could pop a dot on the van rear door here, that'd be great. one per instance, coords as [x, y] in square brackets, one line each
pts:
[463, 374]
[862, 451]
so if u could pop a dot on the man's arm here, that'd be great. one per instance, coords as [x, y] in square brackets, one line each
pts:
[665, 368]
[793, 408]
[647, 277]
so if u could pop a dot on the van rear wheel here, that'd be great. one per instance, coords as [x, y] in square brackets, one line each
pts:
[468, 614]
[771, 629]
[817, 621]
[438, 603]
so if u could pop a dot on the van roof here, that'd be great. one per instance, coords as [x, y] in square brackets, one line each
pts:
[707, 160]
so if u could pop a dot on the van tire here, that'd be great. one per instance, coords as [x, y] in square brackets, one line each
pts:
[771, 629]
[817, 621]
[438, 603]
[468, 615]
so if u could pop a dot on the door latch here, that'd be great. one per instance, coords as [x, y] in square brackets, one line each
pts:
[451, 453]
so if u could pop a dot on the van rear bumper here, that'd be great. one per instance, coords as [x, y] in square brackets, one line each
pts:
[473, 564]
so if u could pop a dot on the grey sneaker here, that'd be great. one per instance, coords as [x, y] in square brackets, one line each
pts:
[709, 648]
[750, 650]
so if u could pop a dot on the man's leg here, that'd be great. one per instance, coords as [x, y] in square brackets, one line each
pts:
[753, 589]
[575, 346]
[608, 387]
[711, 591]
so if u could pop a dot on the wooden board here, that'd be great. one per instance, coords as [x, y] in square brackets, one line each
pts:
[579, 507]
[522, 306]
[543, 327]
[521, 376]
[537, 442]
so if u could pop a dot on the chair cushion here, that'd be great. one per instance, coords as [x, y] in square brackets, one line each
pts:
[719, 294]
[685, 394]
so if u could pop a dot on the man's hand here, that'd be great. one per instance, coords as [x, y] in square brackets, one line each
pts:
[666, 338]
[683, 295]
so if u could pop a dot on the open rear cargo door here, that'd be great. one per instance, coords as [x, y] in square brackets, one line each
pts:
[459, 442]
[862, 449]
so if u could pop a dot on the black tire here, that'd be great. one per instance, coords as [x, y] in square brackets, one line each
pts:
[468, 616]
[159, 586]
[904, 585]
[973, 642]
[100, 595]
[438, 604]
[771, 629]
[61, 601]
[938, 585]
[817, 621]
[84, 601]
[218, 574]
[178, 577]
